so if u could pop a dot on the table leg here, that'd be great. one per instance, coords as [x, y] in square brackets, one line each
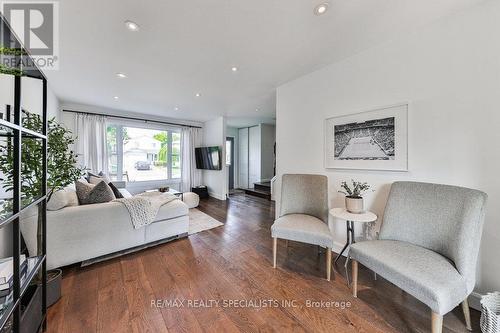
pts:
[346, 244]
[350, 237]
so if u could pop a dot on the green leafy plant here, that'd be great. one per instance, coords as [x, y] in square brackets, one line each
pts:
[61, 162]
[7, 52]
[162, 153]
[12, 51]
[356, 190]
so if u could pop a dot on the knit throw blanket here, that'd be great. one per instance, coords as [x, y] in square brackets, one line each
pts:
[144, 207]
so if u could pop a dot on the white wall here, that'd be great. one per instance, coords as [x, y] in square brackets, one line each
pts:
[214, 134]
[450, 73]
[31, 95]
[31, 98]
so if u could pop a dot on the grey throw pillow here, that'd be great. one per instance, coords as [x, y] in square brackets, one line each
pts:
[93, 194]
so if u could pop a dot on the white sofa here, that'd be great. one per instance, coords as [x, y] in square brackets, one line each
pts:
[79, 233]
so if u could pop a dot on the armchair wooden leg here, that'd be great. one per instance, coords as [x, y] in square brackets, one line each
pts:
[437, 323]
[328, 263]
[465, 308]
[354, 278]
[275, 250]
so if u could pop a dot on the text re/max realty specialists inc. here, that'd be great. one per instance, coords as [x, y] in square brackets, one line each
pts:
[247, 303]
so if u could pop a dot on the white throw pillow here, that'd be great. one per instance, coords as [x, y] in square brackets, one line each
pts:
[62, 198]
[57, 201]
[71, 195]
[95, 180]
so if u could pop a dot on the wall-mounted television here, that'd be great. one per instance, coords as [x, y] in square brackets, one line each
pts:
[208, 158]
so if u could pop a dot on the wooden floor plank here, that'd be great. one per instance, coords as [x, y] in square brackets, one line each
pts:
[177, 319]
[113, 309]
[143, 317]
[80, 310]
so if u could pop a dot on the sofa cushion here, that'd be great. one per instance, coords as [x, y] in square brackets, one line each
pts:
[302, 228]
[62, 198]
[172, 209]
[423, 273]
[93, 179]
[116, 191]
[93, 194]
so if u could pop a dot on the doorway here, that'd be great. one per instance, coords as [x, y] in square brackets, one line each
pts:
[230, 162]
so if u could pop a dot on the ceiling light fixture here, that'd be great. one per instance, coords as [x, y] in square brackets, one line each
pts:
[234, 69]
[198, 95]
[257, 109]
[121, 75]
[321, 8]
[116, 97]
[132, 26]
[176, 108]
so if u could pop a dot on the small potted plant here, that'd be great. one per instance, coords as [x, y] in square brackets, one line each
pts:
[354, 195]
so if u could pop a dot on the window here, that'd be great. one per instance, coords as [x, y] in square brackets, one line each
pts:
[143, 154]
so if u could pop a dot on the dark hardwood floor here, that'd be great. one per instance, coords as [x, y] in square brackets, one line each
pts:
[232, 264]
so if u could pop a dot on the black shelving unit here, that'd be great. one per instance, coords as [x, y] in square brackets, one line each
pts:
[28, 290]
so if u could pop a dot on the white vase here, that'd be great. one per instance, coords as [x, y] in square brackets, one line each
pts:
[354, 204]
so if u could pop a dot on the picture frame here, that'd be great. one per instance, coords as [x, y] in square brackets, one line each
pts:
[369, 140]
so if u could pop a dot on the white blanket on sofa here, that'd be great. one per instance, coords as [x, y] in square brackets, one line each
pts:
[144, 207]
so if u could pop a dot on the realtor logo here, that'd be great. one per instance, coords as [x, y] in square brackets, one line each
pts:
[36, 24]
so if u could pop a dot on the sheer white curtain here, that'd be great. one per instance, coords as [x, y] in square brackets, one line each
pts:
[190, 138]
[90, 143]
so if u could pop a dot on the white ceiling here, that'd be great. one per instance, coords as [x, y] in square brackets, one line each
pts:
[185, 47]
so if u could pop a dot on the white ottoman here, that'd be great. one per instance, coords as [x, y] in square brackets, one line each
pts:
[191, 199]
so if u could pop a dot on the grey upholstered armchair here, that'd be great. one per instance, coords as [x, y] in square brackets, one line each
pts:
[304, 214]
[428, 245]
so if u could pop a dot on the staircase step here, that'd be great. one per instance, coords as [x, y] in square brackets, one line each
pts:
[263, 186]
[258, 193]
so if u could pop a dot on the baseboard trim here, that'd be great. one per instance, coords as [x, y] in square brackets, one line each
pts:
[216, 196]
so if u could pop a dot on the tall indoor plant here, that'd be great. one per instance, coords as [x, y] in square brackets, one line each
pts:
[62, 169]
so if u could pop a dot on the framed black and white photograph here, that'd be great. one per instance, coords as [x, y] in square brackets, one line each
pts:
[372, 140]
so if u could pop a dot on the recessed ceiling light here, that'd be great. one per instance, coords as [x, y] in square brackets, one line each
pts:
[257, 109]
[234, 69]
[132, 26]
[121, 75]
[176, 108]
[321, 8]
[198, 95]
[116, 97]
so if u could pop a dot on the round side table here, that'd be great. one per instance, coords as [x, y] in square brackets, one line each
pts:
[350, 218]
